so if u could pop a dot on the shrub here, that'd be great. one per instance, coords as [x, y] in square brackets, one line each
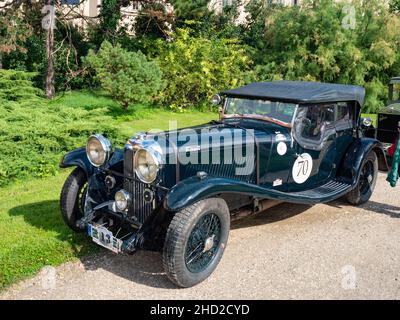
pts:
[127, 76]
[33, 137]
[195, 68]
[17, 85]
[35, 133]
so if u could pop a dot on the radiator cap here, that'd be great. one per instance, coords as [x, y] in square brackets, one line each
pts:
[202, 175]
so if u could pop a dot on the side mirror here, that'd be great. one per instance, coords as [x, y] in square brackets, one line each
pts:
[367, 122]
[216, 100]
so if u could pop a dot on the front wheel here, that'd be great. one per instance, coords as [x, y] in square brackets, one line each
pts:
[366, 181]
[195, 241]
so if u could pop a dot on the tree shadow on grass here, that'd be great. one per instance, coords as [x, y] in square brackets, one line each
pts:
[46, 216]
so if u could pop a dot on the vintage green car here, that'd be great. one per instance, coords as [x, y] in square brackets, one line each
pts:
[388, 118]
[178, 191]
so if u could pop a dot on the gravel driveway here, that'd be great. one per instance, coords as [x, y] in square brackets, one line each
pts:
[331, 251]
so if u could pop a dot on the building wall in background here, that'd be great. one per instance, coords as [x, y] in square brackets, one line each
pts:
[83, 12]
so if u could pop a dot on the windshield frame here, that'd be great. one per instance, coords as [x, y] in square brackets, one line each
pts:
[282, 123]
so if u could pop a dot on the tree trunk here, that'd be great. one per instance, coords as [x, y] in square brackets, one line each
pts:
[50, 90]
[125, 106]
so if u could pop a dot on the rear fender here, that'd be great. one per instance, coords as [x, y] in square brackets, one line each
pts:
[353, 160]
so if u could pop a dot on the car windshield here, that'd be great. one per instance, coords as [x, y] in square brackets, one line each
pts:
[270, 110]
[392, 108]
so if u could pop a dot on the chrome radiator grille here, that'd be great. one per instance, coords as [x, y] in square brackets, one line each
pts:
[139, 209]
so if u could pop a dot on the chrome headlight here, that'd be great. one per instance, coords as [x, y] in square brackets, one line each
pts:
[122, 200]
[98, 150]
[147, 163]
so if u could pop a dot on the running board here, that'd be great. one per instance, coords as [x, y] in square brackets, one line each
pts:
[334, 189]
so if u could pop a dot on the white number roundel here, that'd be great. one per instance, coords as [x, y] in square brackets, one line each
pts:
[302, 168]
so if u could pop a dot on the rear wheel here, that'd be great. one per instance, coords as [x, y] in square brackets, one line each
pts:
[195, 241]
[367, 181]
[72, 200]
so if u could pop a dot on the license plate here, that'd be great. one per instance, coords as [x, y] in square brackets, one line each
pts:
[105, 238]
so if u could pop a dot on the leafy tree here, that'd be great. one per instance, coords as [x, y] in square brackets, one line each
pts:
[195, 68]
[127, 76]
[225, 24]
[108, 22]
[313, 42]
[13, 32]
[394, 6]
[205, 20]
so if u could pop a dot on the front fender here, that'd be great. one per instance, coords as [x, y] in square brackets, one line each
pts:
[78, 158]
[351, 166]
[194, 189]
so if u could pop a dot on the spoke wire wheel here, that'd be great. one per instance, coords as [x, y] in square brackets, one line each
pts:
[195, 241]
[203, 243]
[366, 178]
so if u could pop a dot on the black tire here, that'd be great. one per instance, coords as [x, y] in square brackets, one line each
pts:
[72, 198]
[366, 181]
[187, 225]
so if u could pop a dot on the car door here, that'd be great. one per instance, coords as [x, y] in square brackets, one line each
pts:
[315, 141]
[344, 131]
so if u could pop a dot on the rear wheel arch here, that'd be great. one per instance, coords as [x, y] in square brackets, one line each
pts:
[353, 159]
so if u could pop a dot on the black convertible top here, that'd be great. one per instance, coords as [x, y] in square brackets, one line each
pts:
[300, 92]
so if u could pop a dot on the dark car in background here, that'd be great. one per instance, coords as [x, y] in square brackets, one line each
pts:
[388, 121]
[388, 118]
[178, 191]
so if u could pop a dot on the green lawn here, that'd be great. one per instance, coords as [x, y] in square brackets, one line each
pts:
[32, 232]
[138, 118]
